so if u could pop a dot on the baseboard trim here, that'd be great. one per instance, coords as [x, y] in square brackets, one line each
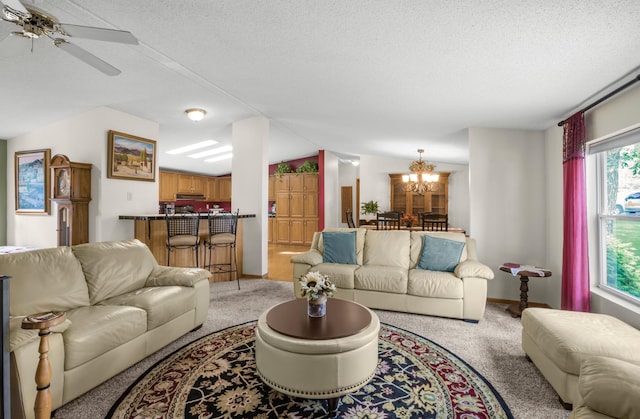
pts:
[530, 304]
[265, 276]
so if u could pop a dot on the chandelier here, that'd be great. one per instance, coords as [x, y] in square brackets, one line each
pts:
[422, 178]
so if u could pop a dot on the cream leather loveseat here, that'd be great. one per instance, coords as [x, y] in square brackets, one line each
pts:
[385, 272]
[120, 305]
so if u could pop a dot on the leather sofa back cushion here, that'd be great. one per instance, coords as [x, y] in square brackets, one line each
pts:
[360, 237]
[114, 268]
[44, 280]
[417, 240]
[387, 248]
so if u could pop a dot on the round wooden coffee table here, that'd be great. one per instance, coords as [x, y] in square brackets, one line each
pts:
[317, 358]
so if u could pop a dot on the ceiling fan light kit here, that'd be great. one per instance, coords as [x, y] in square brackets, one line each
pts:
[35, 23]
[195, 114]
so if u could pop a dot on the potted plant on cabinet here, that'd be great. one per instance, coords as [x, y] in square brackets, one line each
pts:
[282, 168]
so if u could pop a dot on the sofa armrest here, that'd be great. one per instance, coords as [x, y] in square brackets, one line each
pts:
[312, 257]
[19, 337]
[473, 268]
[610, 386]
[170, 275]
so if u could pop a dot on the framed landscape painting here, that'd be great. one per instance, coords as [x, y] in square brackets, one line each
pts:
[130, 157]
[32, 181]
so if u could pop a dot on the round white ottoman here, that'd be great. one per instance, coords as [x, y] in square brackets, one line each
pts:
[317, 368]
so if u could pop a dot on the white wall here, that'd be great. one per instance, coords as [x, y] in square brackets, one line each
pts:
[507, 205]
[374, 185]
[83, 138]
[332, 216]
[250, 189]
[552, 289]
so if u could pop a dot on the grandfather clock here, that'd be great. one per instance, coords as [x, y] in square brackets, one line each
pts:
[71, 190]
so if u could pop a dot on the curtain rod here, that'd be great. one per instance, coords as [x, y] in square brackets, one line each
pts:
[605, 97]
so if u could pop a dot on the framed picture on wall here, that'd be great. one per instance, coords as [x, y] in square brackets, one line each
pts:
[130, 157]
[32, 181]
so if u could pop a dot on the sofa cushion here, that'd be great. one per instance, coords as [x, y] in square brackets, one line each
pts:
[434, 284]
[568, 337]
[417, 241]
[387, 248]
[96, 330]
[339, 247]
[360, 238]
[439, 254]
[610, 386]
[162, 304]
[44, 280]
[340, 274]
[381, 278]
[114, 268]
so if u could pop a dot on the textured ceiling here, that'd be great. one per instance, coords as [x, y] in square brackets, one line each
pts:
[354, 77]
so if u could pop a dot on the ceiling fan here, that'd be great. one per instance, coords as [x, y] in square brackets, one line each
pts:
[36, 23]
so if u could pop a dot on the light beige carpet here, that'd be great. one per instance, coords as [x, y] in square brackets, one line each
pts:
[492, 347]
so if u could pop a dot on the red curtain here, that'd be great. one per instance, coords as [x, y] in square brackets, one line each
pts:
[575, 251]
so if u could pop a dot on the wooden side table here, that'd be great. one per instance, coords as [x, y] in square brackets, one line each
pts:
[516, 309]
[42, 322]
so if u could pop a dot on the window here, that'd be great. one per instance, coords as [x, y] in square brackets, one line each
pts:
[618, 165]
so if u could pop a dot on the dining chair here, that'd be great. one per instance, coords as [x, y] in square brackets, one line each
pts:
[350, 222]
[388, 221]
[222, 233]
[434, 222]
[182, 233]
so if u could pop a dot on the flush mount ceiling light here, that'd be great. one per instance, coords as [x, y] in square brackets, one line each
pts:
[195, 114]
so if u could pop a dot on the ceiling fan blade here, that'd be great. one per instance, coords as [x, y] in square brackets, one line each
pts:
[99, 34]
[15, 5]
[87, 57]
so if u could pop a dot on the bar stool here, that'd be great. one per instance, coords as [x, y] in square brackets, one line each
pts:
[182, 233]
[222, 233]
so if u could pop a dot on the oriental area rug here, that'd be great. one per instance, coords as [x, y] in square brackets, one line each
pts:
[215, 377]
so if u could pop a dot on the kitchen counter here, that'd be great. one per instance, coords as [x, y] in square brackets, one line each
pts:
[151, 229]
[163, 216]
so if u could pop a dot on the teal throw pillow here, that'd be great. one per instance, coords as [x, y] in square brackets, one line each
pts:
[439, 254]
[339, 247]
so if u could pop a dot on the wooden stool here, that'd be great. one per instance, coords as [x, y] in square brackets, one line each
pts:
[42, 322]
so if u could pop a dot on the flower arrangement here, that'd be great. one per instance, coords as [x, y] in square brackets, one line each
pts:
[315, 284]
[409, 219]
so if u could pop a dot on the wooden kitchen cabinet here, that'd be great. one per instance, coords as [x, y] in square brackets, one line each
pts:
[168, 186]
[191, 184]
[272, 188]
[296, 208]
[224, 189]
[211, 188]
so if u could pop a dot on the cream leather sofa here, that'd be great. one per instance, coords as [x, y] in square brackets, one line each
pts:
[120, 305]
[385, 274]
